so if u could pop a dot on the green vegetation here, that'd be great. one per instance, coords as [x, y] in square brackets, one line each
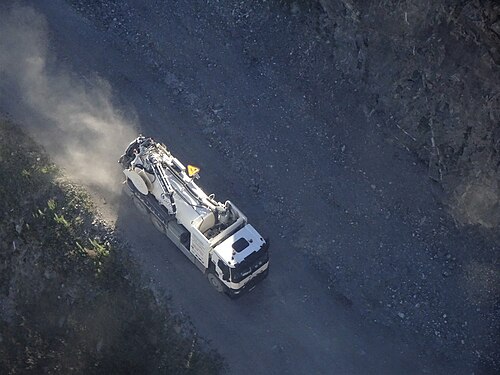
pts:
[71, 298]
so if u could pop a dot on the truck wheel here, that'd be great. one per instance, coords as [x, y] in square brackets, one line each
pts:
[141, 207]
[158, 224]
[127, 191]
[215, 282]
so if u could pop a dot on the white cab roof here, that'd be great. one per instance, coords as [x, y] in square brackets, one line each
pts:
[229, 254]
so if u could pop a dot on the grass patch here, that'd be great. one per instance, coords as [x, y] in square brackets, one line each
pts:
[71, 298]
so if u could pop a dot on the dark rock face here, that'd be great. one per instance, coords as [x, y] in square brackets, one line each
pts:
[433, 68]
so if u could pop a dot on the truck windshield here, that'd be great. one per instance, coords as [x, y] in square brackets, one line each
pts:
[251, 264]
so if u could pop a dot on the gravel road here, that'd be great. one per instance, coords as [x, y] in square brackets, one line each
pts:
[365, 273]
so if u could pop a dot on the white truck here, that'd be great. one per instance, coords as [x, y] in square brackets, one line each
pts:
[216, 237]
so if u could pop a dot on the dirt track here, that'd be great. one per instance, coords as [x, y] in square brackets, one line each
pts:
[364, 279]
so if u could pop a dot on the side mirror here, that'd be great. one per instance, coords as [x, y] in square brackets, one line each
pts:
[266, 245]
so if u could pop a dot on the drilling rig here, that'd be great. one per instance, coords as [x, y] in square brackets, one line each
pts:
[215, 236]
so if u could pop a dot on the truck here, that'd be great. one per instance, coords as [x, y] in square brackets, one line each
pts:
[215, 236]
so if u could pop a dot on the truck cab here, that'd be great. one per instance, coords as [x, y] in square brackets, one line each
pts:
[241, 260]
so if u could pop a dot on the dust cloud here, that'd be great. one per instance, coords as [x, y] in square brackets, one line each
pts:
[73, 118]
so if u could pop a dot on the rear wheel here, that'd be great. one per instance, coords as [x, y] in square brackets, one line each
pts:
[215, 282]
[141, 206]
[158, 224]
[127, 190]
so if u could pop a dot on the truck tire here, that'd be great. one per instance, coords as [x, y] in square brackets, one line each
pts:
[215, 282]
[141, 207]
[158, 224]
[127, 191]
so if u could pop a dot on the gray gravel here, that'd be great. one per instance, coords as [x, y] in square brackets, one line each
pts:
[369, 272]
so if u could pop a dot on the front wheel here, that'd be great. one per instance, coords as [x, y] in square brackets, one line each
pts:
[215, 282]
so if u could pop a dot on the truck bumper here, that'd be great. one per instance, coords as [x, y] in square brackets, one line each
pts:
[235, 293]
